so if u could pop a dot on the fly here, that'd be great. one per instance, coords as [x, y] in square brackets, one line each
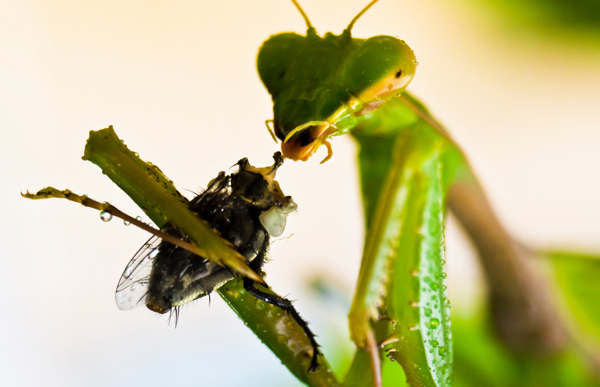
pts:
[246, 208]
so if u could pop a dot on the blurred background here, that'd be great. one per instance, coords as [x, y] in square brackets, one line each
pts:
[516, 82]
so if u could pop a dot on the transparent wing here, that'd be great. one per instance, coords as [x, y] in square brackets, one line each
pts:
[133, 284]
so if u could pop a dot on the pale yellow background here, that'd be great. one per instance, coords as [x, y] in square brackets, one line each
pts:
[177, 81]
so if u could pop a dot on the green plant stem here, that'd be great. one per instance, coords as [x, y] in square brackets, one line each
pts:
[155, 194]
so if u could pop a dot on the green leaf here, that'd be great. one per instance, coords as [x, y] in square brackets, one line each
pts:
[482, 359]
[578, 276]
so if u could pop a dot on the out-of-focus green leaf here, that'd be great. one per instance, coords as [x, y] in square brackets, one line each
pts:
[392, 375]
[579, 278]
[481, 359]
[553, 14]
[359, 374]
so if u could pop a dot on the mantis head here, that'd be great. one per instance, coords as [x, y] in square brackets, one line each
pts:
[320, 85]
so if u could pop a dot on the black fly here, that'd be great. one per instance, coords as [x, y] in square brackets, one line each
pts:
[246, 208]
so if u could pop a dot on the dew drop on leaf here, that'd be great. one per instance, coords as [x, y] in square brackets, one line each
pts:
[283, 339]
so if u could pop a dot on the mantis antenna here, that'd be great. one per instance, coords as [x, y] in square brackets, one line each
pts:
[365, 9]
[303, 14]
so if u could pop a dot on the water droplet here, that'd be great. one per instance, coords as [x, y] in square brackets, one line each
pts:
[132, 288]
[127, 272]
[105, 216]
[138, 218]
[283, 339]
[442, 351]
[434, 322]
[153, 254]
[428, 312]
[434, 343]
[126, 222]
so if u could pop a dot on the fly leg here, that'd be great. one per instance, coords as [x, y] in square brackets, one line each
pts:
[286, 305]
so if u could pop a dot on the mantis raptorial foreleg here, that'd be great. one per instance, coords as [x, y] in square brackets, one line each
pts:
[406, 167]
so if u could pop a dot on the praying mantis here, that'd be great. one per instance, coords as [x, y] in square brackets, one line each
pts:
[410, 170]
[407, 163]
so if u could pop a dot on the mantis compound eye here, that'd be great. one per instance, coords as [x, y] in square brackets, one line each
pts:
[379, 68]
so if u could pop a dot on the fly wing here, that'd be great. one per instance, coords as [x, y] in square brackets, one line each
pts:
[133, 284]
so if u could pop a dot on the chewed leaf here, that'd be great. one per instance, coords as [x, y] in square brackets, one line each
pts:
[133, 284]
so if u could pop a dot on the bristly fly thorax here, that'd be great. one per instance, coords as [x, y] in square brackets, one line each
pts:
[246, 208]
